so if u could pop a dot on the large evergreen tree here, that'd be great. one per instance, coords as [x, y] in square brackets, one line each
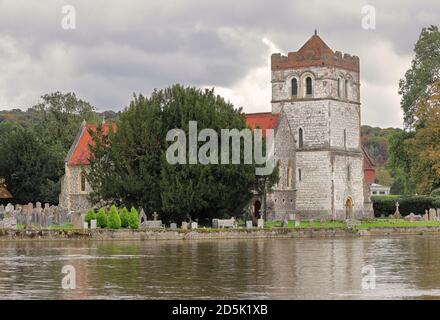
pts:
[130, 165]
[30, 169]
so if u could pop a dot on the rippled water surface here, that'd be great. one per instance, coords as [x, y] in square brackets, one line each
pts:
[405, 267]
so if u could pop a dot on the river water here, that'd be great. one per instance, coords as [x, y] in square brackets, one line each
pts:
[394, 268]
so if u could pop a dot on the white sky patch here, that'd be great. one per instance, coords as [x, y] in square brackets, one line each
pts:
[253, 92]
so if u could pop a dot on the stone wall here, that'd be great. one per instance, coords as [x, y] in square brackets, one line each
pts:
[72, 197]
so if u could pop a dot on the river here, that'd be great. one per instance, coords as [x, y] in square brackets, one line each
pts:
[394, 268]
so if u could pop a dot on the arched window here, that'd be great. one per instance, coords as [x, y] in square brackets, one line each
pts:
[346, 89]
[309, 86]
[345, 138]
[294, 87]
[339, 87]
[289, 174]
[300, 138]
[299, 175]
[83, 182]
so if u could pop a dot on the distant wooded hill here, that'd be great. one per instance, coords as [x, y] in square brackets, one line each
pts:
[24, 118]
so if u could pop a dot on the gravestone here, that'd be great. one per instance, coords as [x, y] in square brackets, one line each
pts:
[297, 220]
[432, 215]
[260, 223]
[397, 212]
[224, 223]
[36, 214]
[291, 216]
[85, 225]
[285, 223]
[194, 225]
[142, 217]
[78, 220]
[249, 224]
[173, 226]
[184, 225]
[426, 217]
[93, 224]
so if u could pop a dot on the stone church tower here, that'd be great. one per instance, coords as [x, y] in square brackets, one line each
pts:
[319, 92]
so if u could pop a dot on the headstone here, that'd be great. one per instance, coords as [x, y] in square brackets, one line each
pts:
[173, 226]
[78, 220]
[9, 208]
[224, 223]
[142, 218]
[411, 217]
[184, 225]
[194, 225]
[155, 216]
[93, 224]
[426, 217]
[397, 212]
[322, 220]
[291, 216]
[85, 225]
[285, 223]
[297, 220]
[249, 224]
[432, 215]
[260, 223]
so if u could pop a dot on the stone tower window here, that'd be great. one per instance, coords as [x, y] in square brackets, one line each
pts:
[339, 87]
[289, 174]
[300, 138]
[346, 89]
[309, 90]
[294, 87]
[345, 138]
[299, 175]
[83, 182]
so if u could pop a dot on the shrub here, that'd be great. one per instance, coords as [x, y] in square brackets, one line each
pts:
[124, 217]
[435, 192]
[102, 218]
[90, 216]
[114, 220]
[133, 219]
[386, 205]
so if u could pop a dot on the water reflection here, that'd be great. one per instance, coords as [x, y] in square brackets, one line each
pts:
[406, 267]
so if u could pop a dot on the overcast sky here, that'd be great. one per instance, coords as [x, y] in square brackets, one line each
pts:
[125, 46]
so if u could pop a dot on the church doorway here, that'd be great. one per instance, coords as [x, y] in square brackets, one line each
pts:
[257, 209]
[349, 208]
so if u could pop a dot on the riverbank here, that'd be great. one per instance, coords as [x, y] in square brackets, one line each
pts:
[205, 234]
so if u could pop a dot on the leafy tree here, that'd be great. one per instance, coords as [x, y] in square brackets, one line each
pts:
[58, 117]
[114, 220]
[133, 219]
[102, 218]
[30, 169]
[124, 217]
[130, 164]
[425, 70]
[90, 216]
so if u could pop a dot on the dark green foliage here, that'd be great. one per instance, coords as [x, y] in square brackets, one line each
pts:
[30, 169]
[130, 164]
[386, 205]
[102, 218]
[124, 217]
[114, 220]
[425, 70]
[133, 219]
[91, 215]
[435, 193]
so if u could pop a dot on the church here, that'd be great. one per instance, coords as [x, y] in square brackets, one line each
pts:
[316, 118]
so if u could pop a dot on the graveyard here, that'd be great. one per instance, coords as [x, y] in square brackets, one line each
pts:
[52, 222]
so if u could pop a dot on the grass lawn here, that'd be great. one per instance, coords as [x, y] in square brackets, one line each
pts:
[376, 223]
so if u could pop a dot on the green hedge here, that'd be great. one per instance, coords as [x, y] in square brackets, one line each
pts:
[386, 205]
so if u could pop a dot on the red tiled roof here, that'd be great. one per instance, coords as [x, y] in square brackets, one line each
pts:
[80, 153]
[315, 46]
[262, 120]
